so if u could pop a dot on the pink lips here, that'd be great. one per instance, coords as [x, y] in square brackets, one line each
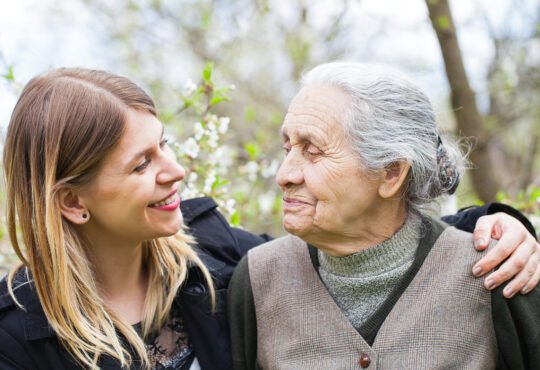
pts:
[171, 206]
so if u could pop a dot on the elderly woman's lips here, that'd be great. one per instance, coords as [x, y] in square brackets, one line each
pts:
[292, 203]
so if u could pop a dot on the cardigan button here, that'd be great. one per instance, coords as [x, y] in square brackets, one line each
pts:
[364, 361]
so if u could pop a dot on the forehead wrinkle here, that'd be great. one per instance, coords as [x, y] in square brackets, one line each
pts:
[310, 128]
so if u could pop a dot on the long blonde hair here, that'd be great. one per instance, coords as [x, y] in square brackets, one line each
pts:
[64, 124]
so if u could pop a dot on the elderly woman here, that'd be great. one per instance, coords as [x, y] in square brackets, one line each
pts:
[367, 279]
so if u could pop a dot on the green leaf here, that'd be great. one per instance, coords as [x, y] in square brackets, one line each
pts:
[252, 150]
[250, 114]
[207, 72]
[235, 219]
[501, 196]
[206, 18]
[443, 22]
[219, 182]
[9, 75]
[218, 99]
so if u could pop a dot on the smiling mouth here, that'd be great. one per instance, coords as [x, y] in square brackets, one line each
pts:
[169, 200]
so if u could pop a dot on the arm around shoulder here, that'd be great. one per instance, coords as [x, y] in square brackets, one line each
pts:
[517, 328]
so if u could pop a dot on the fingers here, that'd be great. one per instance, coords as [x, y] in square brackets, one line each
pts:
[535, 278]
[506, 271]
[517, 243]
[487, 227]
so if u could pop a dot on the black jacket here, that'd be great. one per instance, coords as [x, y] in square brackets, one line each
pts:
[27, 341]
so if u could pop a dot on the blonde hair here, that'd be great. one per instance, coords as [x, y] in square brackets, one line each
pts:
[64, 124]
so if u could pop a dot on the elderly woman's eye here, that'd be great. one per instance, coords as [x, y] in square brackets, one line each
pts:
[164, 141]
[286, 148]
[313, 151]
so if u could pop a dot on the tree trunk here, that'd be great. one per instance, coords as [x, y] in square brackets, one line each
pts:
[469, 120]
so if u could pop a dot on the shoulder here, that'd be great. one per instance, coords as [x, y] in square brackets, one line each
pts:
[22, 290]
[262, 258]
[454, 250]
[278, 249]
[14, 315]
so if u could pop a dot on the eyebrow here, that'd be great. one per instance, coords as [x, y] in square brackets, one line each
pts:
[302, 134]
[144, 152]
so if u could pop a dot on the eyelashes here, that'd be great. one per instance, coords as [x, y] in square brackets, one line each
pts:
[310, 150]
[142, 166]
[165, 140]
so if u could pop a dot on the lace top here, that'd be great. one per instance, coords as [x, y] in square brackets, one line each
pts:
[170, 348]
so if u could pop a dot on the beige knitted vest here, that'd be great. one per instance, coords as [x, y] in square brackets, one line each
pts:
[442, 321]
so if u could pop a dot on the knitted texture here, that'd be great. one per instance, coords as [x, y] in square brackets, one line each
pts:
[360, 283]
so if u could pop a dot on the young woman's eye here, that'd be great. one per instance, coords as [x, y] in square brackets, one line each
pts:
[142, 166]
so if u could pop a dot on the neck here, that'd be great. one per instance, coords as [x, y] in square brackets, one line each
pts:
[372, 230]
[121, 277]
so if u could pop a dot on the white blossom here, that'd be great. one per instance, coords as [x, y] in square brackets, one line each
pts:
[266, 202]
[213, 139]
[211, 126]
[209, 181]
[224, 124]
[191, 148]
[270, 170]
[189, 88]
[230, 206]
[198, 130]
[188, 193]
[193, 177]
[223, 157]
[251, 169]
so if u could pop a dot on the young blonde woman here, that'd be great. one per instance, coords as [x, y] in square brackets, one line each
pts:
[109, 277]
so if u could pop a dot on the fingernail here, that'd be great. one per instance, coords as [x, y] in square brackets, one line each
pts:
[490, 283]
[508, 292]
[525, 290]
[477, 271]
[479, 243]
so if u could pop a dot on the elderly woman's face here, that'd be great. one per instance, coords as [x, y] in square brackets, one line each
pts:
[326, 196]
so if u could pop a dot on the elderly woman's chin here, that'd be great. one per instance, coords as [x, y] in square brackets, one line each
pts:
[297, 225]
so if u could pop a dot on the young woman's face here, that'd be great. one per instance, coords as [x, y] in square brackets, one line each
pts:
[134, 194]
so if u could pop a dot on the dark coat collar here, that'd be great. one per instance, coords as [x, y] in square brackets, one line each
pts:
[35, 322]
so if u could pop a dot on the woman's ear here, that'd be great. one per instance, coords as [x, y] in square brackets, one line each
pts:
[72, 206]
[393, 178]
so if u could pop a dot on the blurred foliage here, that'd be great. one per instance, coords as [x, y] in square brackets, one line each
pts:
[527, 201]
[237, 178]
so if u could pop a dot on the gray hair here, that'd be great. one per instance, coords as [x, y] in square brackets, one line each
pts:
[392, 120]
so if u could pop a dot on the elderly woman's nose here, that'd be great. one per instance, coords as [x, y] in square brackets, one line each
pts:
[290, 172]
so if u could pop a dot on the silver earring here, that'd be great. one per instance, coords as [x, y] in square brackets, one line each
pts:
[85, 215]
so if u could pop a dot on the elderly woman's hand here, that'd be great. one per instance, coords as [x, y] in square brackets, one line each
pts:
[514, 243]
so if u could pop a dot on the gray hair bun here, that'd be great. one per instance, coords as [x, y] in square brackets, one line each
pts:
[448, 172]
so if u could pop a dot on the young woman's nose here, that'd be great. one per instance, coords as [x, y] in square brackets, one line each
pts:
[172, 171]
